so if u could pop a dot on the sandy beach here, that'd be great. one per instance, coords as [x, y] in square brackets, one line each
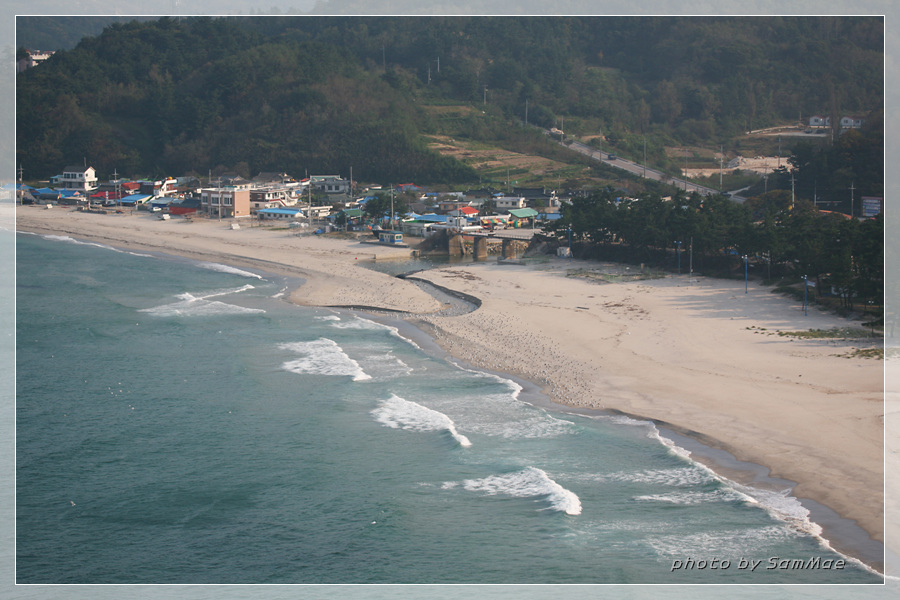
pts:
[698, 355]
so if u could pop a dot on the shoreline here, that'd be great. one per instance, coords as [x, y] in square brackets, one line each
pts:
[487, 339]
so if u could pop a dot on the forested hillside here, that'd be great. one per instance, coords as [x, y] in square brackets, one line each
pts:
[326, 93]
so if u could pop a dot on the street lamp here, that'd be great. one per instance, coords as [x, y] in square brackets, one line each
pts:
[805, 288]
[679, 256]
[745, 273]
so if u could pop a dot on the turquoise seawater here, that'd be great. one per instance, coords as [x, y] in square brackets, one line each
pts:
[180, 422]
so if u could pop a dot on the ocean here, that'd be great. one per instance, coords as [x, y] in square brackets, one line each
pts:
[180, 422]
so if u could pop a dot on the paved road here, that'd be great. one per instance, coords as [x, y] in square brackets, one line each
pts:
[641, 170]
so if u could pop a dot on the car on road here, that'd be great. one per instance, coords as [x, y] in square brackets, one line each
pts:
[611, 157]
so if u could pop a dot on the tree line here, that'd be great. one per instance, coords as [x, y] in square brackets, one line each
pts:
[831, 249]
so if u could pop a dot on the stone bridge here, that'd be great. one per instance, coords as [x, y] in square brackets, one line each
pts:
[456, 244]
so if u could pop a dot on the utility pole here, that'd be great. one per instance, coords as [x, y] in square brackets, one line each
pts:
[792, 190]
[484, 102]
[691, 276]
[721, 160]
[851, 198]
[526, 112]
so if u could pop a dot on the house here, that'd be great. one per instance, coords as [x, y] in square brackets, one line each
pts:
[509, 202]
[533, 193]
[225, 202]
[269, 178]
[464, 211]
[46, 194]
[83, 179]
[231, 180]
[274, 196]
[330, 184]
[31, 58]
[186, 206]
[160, 188]
[851, 122]
[519, 217]
[452, 205]
[818, 121]
[135, 200]
[279, 214]
[318, 212]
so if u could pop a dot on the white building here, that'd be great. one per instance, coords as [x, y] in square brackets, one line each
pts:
[83, 179]
[509, 202]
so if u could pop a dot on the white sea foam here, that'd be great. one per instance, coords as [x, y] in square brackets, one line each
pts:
[328, 318]
[693, 498]
[729, 545]
[514, 388]
[201, 306]
[357, 322]
[228, 269]
[322, 357]
[781, 505]
[681, 476]
[399, 413]
[530, 482]
[384, 365]
[67, 239]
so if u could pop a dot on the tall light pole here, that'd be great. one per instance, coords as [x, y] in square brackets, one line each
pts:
[721, 160]
[746, 285]
[679, 256]
[691, 279]
[805, 288]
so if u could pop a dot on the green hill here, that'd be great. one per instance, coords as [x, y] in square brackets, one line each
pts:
[322, 94]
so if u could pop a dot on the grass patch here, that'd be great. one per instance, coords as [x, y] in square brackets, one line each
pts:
[876, 353]
[841, 333]
[602, 277]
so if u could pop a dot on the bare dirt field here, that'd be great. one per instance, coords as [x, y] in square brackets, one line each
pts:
[486, 159]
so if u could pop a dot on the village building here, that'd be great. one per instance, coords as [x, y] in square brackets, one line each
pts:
[159, 188]
[450, 205]
[330, 184]
[276, 196]
[506, 203]
[279, 214]
[75, 177]
[32, 58]
[852, 122]
[225, 202]
[468, 212]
